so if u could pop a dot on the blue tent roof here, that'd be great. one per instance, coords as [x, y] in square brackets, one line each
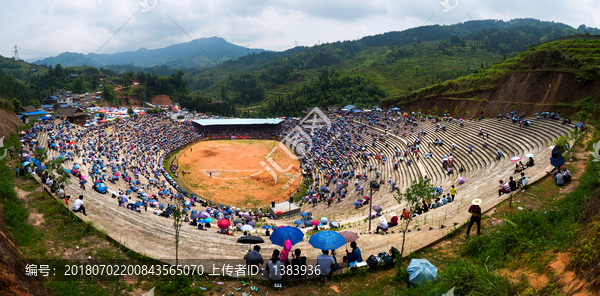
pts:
[350, 107]
[237, 121]
[35, 113]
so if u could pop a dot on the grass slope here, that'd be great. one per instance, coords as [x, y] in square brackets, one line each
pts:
[580, 57]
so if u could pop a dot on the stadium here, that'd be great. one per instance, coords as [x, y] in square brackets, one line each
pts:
[229, 173]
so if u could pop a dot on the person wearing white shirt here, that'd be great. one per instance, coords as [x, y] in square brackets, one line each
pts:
[522, 181]
[383, 225]
[78, 206]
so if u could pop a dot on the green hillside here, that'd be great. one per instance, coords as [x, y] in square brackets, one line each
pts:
[391, 65]
[579, 57]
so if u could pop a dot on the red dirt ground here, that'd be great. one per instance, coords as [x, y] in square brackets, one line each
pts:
[238, 178]
[161, 100]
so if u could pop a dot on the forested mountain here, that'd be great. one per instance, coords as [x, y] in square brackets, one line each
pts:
[360, 72]
[183, 55]
[395, 62]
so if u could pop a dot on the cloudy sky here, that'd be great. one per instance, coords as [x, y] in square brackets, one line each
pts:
[44, 28]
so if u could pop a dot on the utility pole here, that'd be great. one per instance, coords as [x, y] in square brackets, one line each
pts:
[16, 53]
[373, 186]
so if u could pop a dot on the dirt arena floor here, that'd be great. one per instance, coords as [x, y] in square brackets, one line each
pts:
[238, 178]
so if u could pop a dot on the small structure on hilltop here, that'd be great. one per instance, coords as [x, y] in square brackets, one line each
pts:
[74, 115]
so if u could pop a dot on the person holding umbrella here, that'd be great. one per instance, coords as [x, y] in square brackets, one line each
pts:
[254, 257]
[326, 264]
[354, 256]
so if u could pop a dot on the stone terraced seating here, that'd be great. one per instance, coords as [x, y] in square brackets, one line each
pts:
[151, 235]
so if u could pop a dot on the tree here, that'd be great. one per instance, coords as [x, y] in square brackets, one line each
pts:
[413, 197]
[40, 154]
[177, 215]
[16, 105]
[102, 115]
[130, 111]
[56, 171]
[110, 94]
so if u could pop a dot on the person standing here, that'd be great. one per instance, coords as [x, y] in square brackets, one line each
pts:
[475, 211]
[452, 193]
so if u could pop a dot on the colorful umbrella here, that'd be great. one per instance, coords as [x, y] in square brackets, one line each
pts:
[280, 235]
[223, 223]
[246, 228]
[515, 158]
[334, 224]
[327, 240]
[349, 236]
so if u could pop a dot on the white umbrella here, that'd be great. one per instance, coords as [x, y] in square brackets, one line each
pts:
[515, 158]
[529, 155]
[246, 228]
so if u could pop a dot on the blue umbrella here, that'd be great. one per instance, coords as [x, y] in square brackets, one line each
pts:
[324, 220]
[161, 206]
[186, 209]
[202, 221]
[194, 216]
[304, 214]
[266, 226]
[307, 223]
[282, 234]
[128, 191]
[298, 222]
[327, 240]
[580, 124]
[421, 271]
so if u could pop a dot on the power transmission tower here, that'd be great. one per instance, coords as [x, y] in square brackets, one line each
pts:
[16, 53]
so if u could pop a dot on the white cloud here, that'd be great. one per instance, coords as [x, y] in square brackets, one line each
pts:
[49, 27]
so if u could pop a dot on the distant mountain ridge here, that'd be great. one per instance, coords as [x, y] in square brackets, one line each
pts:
[182, 55]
